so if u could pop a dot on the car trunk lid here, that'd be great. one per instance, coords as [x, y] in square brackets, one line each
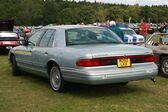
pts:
[6, 25]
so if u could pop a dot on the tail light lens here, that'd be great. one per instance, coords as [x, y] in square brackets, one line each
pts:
[88, 62]
[149, 58]
[141, 40]
[113, 60]
[95, 62]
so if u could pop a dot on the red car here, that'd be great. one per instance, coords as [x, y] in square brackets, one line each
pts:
[8, 38]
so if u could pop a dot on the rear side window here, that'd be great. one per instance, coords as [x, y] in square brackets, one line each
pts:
[46, 38]
[50, 43]
[34, 39]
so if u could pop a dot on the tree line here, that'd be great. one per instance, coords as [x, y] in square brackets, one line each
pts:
[43, 12]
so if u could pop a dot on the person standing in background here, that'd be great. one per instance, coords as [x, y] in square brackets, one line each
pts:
[166, 27]
[115, 29]
[143, 27]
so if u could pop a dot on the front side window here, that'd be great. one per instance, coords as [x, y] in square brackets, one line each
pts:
[79, 36]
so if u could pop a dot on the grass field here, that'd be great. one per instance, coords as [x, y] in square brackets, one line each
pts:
[28, 93]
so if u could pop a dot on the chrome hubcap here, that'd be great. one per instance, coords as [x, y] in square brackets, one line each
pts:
[55, 78]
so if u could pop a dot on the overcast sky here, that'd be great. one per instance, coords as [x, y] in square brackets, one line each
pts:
[132, 2]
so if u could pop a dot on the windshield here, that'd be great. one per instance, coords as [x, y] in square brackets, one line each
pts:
[79, 36]
[129, 32]
[158, 39]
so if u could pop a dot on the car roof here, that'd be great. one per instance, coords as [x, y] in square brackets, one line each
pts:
[126, 29]
[70, 26]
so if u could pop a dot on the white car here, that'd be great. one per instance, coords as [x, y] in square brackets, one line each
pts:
[131, 37]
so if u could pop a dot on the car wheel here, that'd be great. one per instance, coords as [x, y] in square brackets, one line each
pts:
[15, 69]
[57, 82]
[164, 66]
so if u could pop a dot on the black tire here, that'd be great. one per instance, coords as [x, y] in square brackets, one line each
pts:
[164, 66]
[56, 80]
[15, 69]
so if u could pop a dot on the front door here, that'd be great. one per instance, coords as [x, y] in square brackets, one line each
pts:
[25, 55]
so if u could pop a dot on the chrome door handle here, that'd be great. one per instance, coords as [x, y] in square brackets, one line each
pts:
[46, 53]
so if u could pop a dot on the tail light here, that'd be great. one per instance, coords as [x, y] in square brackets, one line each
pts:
[113, 60]
[149, 58]
[141, 39]
[95, 62]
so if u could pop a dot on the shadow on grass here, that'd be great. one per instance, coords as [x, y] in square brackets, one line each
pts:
[4, 52]
[104, 90]
[87, 91]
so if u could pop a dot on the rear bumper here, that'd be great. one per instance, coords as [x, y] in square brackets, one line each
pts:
[8, 44]
[109, 75]
[7, 47]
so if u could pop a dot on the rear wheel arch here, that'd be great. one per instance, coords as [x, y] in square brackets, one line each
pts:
[56, 80]
[50, 64]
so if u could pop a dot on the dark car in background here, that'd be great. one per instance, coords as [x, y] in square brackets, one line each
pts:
[34, 29]
[134, 26]
[8, 38]
[151, 27]
[122, 25]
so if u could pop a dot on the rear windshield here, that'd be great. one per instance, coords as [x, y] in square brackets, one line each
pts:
[80, 36]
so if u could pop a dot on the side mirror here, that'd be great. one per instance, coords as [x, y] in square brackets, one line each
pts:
[23, 42]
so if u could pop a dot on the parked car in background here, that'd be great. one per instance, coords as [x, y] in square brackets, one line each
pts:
[154, 27]
[81, 54]
[130, 37]
[151, 28]
[134, 26]
[34, 29]
[8, 38]
[19, 31]
[159, 44]
[122, 25]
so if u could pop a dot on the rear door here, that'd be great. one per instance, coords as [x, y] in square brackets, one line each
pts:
[41, 51]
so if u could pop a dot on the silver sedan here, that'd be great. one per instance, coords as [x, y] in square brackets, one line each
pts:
[81, 54]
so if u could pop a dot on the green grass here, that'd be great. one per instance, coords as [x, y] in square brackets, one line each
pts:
[28, 93]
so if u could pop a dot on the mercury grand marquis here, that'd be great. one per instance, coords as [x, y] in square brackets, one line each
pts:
[81, 54]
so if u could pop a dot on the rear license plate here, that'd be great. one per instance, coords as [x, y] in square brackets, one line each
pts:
[124, 62]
